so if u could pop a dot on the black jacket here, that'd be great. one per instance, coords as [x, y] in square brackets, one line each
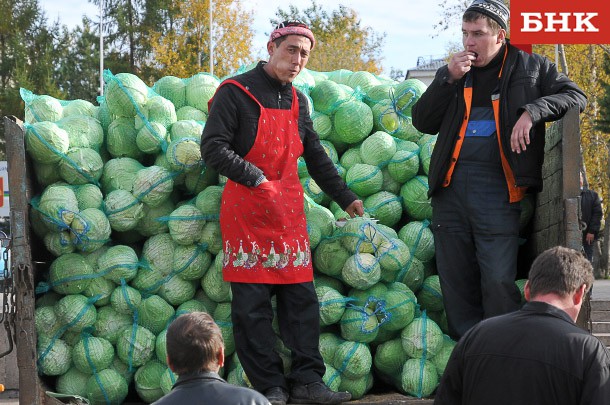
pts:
[536, 355]
[529, 82]
[231, 128]
[209, 388]
[591, 211]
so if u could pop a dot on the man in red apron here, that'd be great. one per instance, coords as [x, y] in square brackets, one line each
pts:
[258, 126]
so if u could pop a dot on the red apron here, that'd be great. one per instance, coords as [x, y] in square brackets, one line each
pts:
[264, 228]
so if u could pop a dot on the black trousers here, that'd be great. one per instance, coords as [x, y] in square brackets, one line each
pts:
[476, 236]
[298, 315]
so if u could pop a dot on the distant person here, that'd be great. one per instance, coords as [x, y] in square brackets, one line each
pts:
[489, 106]
[536, 355]
[591, 217]
[195, 351]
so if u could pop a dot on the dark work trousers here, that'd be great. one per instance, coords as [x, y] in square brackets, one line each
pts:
[588, 249]
[298, 315]
[476, 234]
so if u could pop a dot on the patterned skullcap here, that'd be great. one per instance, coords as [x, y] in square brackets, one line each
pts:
[495, 9]
[292, 27]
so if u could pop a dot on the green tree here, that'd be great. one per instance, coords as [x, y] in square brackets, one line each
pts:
[342, 42]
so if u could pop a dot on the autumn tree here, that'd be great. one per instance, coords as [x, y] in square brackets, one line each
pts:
[183, 49]
[342, 42]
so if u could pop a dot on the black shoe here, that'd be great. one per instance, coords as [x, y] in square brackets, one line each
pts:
[277, 396]
[317, 393]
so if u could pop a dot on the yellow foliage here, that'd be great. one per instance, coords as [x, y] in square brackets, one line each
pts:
[185, 49]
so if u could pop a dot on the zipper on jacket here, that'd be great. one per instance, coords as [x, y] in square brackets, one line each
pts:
[279, 100]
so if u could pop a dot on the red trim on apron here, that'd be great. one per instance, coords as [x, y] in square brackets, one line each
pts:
[264, 228]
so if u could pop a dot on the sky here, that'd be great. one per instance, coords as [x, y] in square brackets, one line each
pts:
[408, 24]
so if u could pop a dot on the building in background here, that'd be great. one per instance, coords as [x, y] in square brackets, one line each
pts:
[426, 69]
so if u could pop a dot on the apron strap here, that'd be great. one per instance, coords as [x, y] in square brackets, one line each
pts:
[295, 105]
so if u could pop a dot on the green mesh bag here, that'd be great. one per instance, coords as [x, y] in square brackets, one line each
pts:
[211, 237]
[208, 200]
[158, 110]
[331, 377]
[184, 154]
[79, 107]
[390, 357]
[361, 271]
[327, 96]
[427, 143]
[375, 94]
[322, 124]
[153, 185]
[353, 359]
[124, 211]
[121, 139]
[422, 338]
[362, 235]
[412, 274]
[58, 205]
[430, 296]
[59, 243]
[358, 387]
[46, 173]
[353, 121]
[385, 207]
[118, 263]
[168, 379]
[329, 343]
[106, 387]
[152, 138]
[109, 324]
[177, 290]
[419, 238]
[186, 129]
[119, 173]
[191, 262]
[154, 313]
[40, 107]
[158, 254]
[222, 317]
[400, 306]
[332, 305]
[173, 89]
[185, 224]
[83, 131]
[404, 164]
[136, 346]
[100, 289]
[148, 381]
[70, 274]
[76, 312]
[407, 93]
[418, 378]
[393, 257]
[91, 229]
[125, 93]
[190, 113]
[92, 354]
[151, 222]
[88, 196]
[46, 322]
[359, 324]
[330, 256]
[214, 285]
[415, 199]
[364, 179]
[46, 142]
[363, 80]
[200, 88]
[441, 358]
[72, 382]
[351, 157]
[378, 148]
[54, 356]
[125, 299]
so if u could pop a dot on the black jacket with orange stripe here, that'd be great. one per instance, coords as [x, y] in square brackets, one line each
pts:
[529, 82]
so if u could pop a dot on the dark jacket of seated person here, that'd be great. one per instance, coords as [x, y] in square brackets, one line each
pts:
[195, 351]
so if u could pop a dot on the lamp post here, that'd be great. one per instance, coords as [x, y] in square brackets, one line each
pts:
[101, 48]
[211, 38]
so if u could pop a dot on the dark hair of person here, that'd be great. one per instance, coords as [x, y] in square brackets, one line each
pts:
[472, 16]
[560, 270]
[193, 342]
